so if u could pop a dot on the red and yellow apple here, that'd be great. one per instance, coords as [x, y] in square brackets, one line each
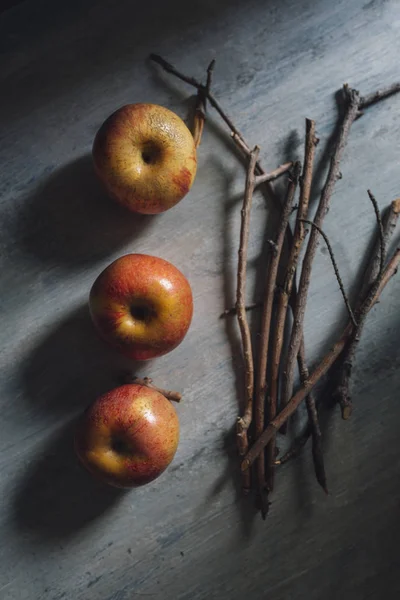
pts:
[145, 156]
[142, 305]
[128, 436]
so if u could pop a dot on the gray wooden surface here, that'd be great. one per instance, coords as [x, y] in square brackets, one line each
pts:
[189, 536]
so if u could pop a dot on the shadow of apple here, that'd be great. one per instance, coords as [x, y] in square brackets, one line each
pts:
[56, 497]
[70, 366]
[70, 221]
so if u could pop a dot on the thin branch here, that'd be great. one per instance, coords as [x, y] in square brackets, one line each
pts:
[313, 424]
[210, 70]
[236, 134]
[287, 293]
[147, 382]
[318, 372]
[228, 312]
[382, 243]
[273, 174]
[342, 392]
[296, 447]
[200, 110]
[269, 294]
[379, 95]
[336, 269]
[243, 422]
[389, 222]
[353, 101]
[193, 82]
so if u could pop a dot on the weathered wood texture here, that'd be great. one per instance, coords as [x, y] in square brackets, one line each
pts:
[64, 68]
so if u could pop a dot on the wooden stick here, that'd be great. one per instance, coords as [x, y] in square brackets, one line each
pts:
[228, 312]
[285, 291]
[269, 293]
[379, 95]
[389, 221]
[147, 382]
[343, 387]
[353, 101]
[273, 174]
[336, 269]
[237, 137]
[313, 424]
[318, 372]
[243, 422]
[200, 110]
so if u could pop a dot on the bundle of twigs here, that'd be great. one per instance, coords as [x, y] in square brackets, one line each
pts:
[265, 410]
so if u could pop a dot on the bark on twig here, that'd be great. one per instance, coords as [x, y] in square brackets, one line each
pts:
[381, 233]
[269, 293]
[342, 393]
[318, 372]
[336, 269]
[379, 95]
[353, 101]
[237, 137]
[313, 425]
[243, 422]
[147, 382]
[228, 312]
[286, 290]
[200, 109]
[273, 174]
[199, 86]
[389, 222]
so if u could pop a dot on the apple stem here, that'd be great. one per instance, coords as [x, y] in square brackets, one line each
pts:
[148, 382]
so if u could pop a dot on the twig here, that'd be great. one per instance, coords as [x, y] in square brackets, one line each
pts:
[342, 392]
[287, 291]
[335, 268]
[193, 82]
[389, 222]
[273, 174]
[210, 70]
[381, 237]
[296, 447]
[379, 95]
[318, 372]
[228, 312]
[243, 422]
[313, 424]
[235, 133]
[237, 137]
[269, 293]
[147, 382]
[353, 101]
[200, 110]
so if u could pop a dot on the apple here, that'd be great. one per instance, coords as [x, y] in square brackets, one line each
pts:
[145, 156]
[128, 436]
[142, 305]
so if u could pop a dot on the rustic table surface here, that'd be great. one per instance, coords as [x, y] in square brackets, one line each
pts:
[64, 68]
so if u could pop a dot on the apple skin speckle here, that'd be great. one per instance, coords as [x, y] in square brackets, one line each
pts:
[147, 424]
[159, 288]
[157, 183]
